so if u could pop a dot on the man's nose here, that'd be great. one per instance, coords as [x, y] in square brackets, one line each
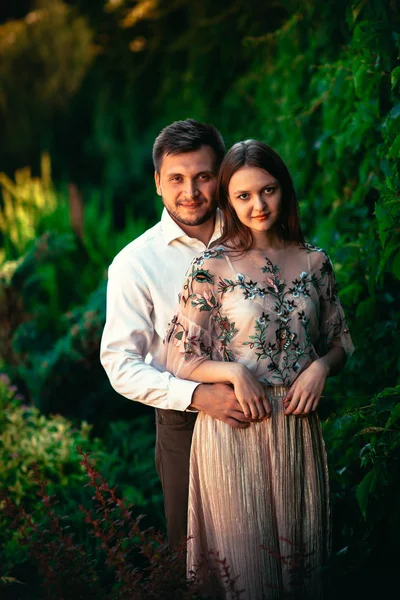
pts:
[192, 189]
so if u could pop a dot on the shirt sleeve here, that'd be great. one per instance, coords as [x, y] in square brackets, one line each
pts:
[126, 340]
[332, 322]
[190, 339]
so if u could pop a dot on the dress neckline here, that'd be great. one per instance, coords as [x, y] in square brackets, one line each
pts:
[267, 251]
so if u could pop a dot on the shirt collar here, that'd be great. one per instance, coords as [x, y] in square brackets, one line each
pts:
[172, 231]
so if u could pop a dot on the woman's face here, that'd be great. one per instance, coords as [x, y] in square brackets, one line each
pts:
[256, 197]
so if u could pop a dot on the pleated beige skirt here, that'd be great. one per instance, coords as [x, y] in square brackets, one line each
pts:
[258, 517]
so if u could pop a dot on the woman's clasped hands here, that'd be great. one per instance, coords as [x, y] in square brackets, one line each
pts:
[250, 392]
[305, 393]
[302, 398]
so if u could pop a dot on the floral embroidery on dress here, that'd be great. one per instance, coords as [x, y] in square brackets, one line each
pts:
[310, 248]
[284, 352]
[250, 288]
[207, 254]
[295, 320]
[189, 344]
[205, 302]
[228, 331]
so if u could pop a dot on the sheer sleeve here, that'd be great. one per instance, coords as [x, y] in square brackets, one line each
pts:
[189, 339]
[332, 322]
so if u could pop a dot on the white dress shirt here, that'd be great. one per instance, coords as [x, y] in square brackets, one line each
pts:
[144, 281]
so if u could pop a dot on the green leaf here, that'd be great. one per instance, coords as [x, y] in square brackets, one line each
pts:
[394, 150]
[352, 291]
[371, 430]
[357, 9]
[396, 265]
[386, 256]
[394, 77]
[366, 308]
[364, 489]
[361, 78]
[385, 401]
[179, 335]
[389, 391]
[394, 416]
[391, 185]
[9, 580]
[394, 113]
[384, 224]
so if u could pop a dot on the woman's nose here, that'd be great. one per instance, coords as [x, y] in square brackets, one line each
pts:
[260, 202]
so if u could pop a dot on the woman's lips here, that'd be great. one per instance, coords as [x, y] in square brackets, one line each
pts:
[262, 217]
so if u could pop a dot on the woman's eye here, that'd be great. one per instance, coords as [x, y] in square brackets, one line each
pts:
[269, 190]
[243, 196]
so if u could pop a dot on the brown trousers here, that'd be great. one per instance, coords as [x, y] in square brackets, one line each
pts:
[174, 438]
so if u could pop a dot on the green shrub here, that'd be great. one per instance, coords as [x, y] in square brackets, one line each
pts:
[53, 312]
[363, 446]
[129, 459]
[28, 437]
[124, 561]
[31, 442]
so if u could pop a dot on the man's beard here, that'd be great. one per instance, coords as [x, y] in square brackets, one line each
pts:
[194, 221]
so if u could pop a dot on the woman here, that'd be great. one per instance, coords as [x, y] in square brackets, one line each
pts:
[261, 311]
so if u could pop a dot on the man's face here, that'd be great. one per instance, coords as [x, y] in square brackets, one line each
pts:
[187, 185]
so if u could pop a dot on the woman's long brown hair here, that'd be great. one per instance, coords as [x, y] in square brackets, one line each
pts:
[252, 153]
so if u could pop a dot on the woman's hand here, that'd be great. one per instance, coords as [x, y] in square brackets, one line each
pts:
[250, 393]
[303, 396]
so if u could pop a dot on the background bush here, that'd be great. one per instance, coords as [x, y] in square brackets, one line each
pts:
[32, 445]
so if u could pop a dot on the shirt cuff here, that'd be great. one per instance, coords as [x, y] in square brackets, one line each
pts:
[180, 394]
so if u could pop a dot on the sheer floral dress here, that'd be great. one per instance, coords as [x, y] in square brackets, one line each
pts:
[259, 497]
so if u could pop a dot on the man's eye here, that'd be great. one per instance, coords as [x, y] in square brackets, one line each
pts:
[204, 177]
[176, 178]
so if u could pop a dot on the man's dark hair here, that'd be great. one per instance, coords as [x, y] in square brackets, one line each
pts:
[186, 136]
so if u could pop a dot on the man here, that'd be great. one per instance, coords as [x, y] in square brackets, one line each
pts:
[144, 281]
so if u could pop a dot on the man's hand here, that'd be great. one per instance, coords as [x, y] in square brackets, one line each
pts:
[219, 401]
